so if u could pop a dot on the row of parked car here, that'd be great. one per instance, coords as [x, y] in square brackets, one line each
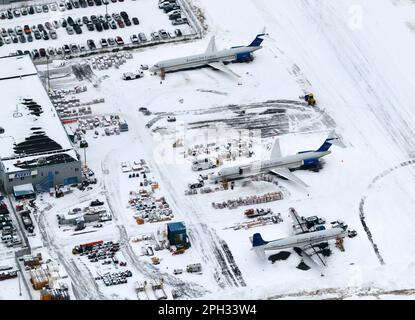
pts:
[18, 12]
[174, 12]
[61, 6]
[27, 34]
[47, 31]
[74, 48]
[99, 23]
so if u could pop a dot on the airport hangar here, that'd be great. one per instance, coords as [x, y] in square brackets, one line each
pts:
[34, 147]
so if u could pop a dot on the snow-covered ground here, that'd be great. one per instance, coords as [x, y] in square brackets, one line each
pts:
[360, 67]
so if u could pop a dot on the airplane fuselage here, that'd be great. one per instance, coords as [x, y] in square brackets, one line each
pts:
[305, 239]
[254, 168]
[200, 60]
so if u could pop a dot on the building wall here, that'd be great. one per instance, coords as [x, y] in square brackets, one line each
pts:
[58, 173]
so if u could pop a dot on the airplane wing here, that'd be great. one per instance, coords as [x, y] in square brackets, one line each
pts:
[211, 46]
[220, 66]
[284, 172]
[276, 150]
[308, 253]
[298, 223]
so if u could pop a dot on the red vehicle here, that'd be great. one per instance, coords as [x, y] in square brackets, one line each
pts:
[91, 244]
[119, 40]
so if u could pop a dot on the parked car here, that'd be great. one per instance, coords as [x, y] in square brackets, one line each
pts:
[77, 28]
[113, 25]
[70, 21]
[98, 26]
[124, 15]
[42, 52]
[155, 36]
[23, 11]
[37, 35]
[68, 5]
[45, 8]
[179, 21]
[74, 48]
[29, 38]
[135, 21]
[119, 40]
[22, 38]
[91, 44]
[27, 29]
[96, 203]
[66, 49]
[111, 42]
[35, 54]
[45, 35]
[69, 30]
[18, 30]
[48, 25]
[61, 6]
[142, 37]
[163, 34]
[104, 43]
[53, 7]
[75, 4]
[134, 39]
[63, 22]
[178, 32]
[53, 35]
[51, 51]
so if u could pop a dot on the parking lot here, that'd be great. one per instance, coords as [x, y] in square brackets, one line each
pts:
[73, 27]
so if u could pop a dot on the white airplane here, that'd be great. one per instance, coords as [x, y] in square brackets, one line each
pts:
[305, 238]
[212, 57]
[279, 164]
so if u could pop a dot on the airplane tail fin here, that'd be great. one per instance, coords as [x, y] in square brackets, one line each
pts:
[333, 138]
[258, 245]
[257, 41]
[257, 240]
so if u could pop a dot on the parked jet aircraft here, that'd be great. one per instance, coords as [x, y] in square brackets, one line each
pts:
[212, 57]
[307, 238]
[279, 164]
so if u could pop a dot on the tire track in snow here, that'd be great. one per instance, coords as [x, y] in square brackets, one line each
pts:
[112, 194]
[363, 200]
[84, 285]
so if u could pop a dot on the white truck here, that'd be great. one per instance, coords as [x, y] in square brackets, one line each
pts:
[133, 75]
[203, 164]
